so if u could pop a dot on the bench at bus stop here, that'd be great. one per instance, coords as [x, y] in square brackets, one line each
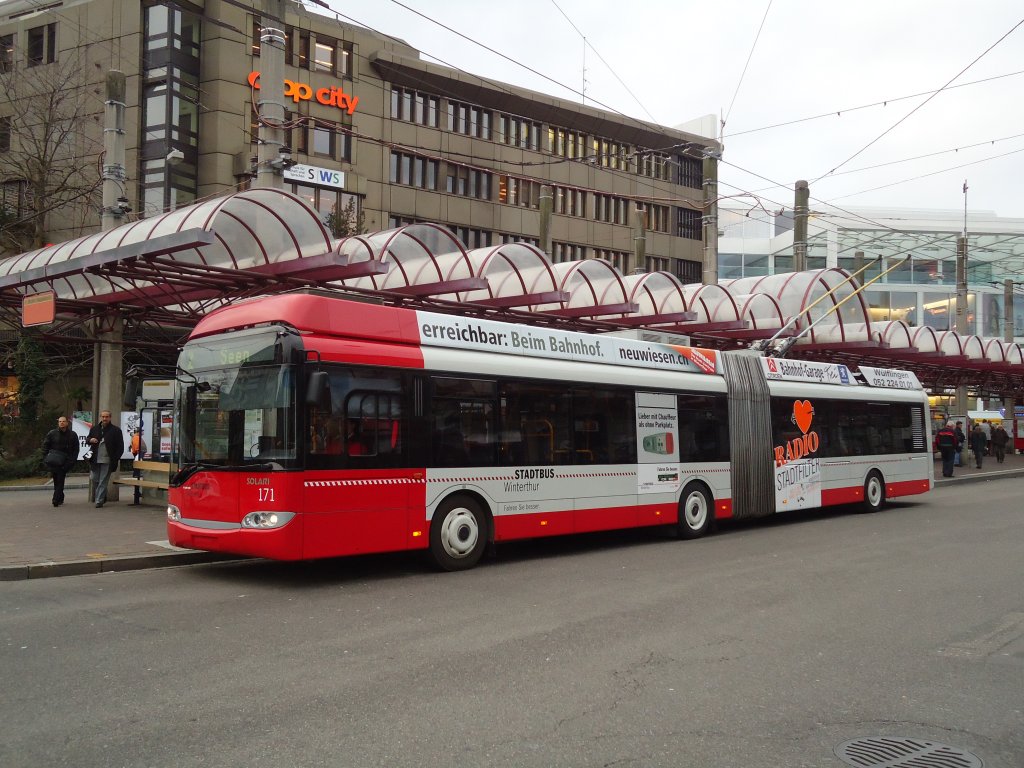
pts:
[146, 474]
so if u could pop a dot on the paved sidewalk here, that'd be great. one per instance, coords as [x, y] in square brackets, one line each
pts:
[39, 540]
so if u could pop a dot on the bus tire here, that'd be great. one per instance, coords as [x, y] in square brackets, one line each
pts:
[459, 532]
[695, 510]
[874, 492]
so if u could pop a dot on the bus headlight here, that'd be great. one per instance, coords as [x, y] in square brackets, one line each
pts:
[173, 514]
[266, 520]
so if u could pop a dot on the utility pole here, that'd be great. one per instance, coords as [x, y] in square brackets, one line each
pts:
[858, 261]
[546, 205]
[1008, 329]
[709, 219]
[115, 204]
[639, 241]
[108, 330]
[803, 194]
[272, 154]
[961, 307]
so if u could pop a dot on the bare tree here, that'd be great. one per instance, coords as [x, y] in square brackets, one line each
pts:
[50, 175]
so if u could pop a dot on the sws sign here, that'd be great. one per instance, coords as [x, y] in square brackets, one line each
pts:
[331, 97]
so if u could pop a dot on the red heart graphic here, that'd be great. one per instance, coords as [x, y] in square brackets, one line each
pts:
[803, 412]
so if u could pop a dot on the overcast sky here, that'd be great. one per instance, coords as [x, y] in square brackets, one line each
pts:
[683, 59]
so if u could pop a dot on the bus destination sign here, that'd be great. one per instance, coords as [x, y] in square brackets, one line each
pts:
[780, 369]
[489, 336]
[883, 377]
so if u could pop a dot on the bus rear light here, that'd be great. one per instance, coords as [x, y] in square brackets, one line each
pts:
[173, 513]
[266, 520]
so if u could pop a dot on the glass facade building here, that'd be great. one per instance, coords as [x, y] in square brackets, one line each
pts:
[918, 246]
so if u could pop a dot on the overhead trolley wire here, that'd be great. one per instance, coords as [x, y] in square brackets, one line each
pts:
[915, 109]
[750, 55]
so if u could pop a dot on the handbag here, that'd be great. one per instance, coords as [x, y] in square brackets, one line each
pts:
[55, 459]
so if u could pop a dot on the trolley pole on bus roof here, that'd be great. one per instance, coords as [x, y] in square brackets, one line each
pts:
[765, 344]
[786, 344]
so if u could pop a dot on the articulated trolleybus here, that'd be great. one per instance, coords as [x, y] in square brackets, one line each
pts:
[312, 426]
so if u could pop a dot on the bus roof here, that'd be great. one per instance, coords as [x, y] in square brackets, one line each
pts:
[347, 318]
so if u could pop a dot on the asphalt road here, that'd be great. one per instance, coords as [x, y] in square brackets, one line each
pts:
[764, 645]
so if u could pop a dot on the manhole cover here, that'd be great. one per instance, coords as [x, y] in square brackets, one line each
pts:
[897, 752]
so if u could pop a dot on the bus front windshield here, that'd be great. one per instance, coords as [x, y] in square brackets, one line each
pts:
[242, 413]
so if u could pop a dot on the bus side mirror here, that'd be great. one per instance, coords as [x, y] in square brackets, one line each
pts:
[131, 393]
[318, 393]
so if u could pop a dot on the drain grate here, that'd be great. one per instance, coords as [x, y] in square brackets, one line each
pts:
[897, 752]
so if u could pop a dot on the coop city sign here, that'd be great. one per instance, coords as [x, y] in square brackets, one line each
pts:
[331, 97]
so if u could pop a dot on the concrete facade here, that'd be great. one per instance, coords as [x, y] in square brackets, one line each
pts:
[422, 143]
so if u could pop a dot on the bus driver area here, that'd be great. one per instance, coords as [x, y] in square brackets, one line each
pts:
[423, 431]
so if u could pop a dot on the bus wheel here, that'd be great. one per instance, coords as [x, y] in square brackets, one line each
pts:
[695, 509]
[874, 492]
[458, 534]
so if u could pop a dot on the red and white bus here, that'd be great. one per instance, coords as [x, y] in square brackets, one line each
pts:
[312, 426]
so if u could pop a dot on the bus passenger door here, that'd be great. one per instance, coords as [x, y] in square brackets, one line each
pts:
[359, 501]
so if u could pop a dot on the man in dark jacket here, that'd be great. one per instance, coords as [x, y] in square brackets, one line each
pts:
[1000, 437]
[945, 438]
[978, 443]
[62, 440]
[107, 444]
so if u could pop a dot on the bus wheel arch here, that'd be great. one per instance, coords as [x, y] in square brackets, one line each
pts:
[874, 492]
[696, 510]
[460, 531]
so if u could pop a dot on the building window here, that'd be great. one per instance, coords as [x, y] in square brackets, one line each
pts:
[515, 191]
[506, 237]
[323, 141]
[395, 221]
[469, 182]
[618, 259]
[5, 134]
[413, 170]
[42, 45]
[688, 223]
[519, 132]
[15, 197]
[656, 264]
[654, 165]
[569, 201]
[655, 216]
[614, 210]
[170, 109]
[473, 238]
[611, 154]
[323, 56]
[6, 52]
[469, 120]
[340, 211]
[561, 252]
[691, 173]
[566, 143]
[688, 272]
[345, 59]
[414, 107]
